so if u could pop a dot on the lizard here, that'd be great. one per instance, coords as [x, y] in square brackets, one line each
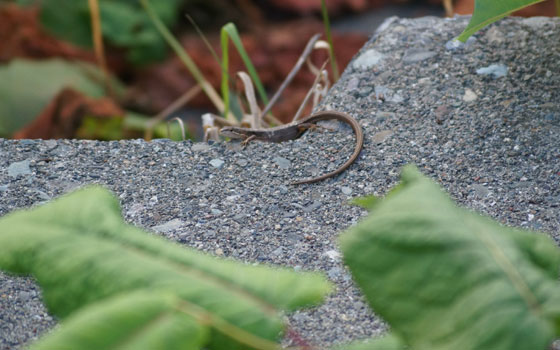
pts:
[294, 130]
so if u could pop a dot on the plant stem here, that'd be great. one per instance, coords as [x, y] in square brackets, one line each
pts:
[175, 105]
[98, 44]
[334, 65]
[448, 6]
[242, 336]
[301, 60]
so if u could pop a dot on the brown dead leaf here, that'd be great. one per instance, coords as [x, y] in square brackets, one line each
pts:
[22, 36]
[63, 115]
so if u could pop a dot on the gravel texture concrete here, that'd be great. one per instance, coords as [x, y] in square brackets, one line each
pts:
[482, 119]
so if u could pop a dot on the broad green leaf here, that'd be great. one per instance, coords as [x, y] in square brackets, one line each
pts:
[124, 24]
[446, 278]
[386, 342]
[68, 20]
[81, 252]
[26, 2]
[135, 321]
[489, 11]
[26, 87]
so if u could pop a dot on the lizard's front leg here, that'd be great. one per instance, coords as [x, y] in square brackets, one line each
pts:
[247, 140]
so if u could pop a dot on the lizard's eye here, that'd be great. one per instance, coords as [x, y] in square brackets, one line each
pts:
[227, 131]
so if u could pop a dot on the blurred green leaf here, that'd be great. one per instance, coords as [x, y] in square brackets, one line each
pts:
[489, 11]
[124, 24]
[96, 128]
[26, 2]
[95, 268]
[68, 20]
[446, 278]
[26, 87]
[386, 342]
[114, 323]
[367, 202]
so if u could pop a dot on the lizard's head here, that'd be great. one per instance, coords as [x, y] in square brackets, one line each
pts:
[231, 132]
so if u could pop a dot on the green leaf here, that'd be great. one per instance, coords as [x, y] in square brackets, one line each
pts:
[367, 202]
[489, 11]
[124, 24]
[81, 253]
[26, 2]
[386, 342]
[115, 322]
[68, 20]
[28, 86]
[95, 128]
[447, 278]
[127, 25]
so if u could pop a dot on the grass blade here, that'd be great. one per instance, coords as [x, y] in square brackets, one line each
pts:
[229, 31]
[325, 14]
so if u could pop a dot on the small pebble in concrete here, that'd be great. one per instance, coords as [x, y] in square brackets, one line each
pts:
[200, 147]
[42, 195]
[168, 226]
[312, 207]
[216, 211]
[282, 163]
[346, 190]
[417, 55]
[335, 273]
[19, 168]
[332, 254]
[497, 70]
[454, 44]
[469, 95]
[368, 59]
[381, 136]
[217, 163]
[481, 190]
[387, 95]
[353, 84]
[51, 144]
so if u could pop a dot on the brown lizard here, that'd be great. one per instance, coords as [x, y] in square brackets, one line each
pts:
[296, 129]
